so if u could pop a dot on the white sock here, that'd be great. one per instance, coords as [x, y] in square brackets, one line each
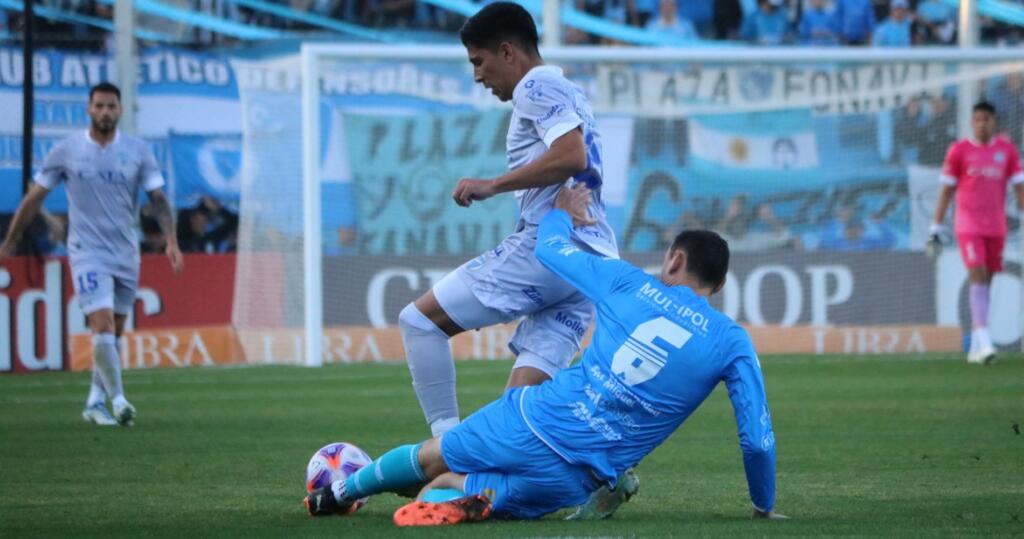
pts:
[431, 365]
[96, 393]
[105, 357]
[443, 425]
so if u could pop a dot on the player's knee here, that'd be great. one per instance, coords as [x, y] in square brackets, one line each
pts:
[101, 321]
[430, 458]
[412, 321]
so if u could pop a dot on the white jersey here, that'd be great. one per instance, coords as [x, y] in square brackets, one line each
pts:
[545, 106]
[103, 197]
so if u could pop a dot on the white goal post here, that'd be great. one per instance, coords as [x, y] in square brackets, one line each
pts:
[318, 59]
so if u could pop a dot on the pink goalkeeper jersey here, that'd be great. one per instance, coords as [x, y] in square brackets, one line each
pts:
[980, 173]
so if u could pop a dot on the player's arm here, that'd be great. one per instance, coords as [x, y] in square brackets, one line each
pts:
[951, 171]
[566, 156]
[163, 213]
[745, 384]
[549, 106]
[594, 276]
[164, 216]
[23, 216]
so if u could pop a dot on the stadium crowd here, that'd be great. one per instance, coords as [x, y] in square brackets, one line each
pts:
[769, 22]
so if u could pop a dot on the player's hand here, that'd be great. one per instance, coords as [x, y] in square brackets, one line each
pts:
[176, 258]
[575, 201]
[470, 189]
[767, 515]
[936, 238]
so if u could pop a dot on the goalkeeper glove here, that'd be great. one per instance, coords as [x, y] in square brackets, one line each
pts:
[936, 237]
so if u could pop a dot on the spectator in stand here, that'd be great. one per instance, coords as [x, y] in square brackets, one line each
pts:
[222, 9]
[753, 229]
[728, 18]
[595, 8]
[207, 228]
[939, 131]
[192, 235]
[895, 30]
[768, 25]
[934, 23]
[856, 19]
[669, 23]
[1008, 98]
[907, 132]
[850, 232]
[818, 25]
[700, 13]
[153, 240]
[642, 11]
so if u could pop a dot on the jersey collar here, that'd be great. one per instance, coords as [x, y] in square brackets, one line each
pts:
[88, 137]
[976, 142]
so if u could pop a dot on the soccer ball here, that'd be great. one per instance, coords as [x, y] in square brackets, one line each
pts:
[333, 462]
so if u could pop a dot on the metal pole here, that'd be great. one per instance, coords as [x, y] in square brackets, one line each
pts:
[127, 66]
[967, 93]
[27, 96]
[552, 23]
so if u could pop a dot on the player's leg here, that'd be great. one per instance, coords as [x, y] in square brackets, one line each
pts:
[504, 461]
[973, 250]
[426, 325]
[398, 469]
[124, 299]
[993, 264]
[547, 340]
[96, 299]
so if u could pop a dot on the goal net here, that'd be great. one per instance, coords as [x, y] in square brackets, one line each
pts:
[819, 166]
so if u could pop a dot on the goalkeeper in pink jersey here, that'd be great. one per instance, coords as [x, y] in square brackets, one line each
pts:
[977, 170]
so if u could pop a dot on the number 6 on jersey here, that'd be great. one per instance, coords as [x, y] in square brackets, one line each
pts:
[641, 357]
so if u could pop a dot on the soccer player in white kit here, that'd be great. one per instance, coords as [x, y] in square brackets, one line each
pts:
[551, 141]
[103, 170]
[977, 171]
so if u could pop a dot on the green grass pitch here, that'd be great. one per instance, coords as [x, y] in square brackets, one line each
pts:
[886, 446]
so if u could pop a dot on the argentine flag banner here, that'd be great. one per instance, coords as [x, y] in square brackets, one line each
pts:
[754, 141]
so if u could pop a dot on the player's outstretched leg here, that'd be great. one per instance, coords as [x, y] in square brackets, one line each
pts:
[395, 470]
[475, 508]
[604, 501]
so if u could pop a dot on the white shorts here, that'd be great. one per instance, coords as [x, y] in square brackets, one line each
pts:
[98, 289]
[511, 280]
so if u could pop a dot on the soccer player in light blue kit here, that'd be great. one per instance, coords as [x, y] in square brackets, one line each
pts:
[658, 351]
[103, 170]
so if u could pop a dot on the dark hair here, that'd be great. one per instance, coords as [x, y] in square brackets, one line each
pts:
[498, 23]
[984, 106]
[107, 88]
[707, 255]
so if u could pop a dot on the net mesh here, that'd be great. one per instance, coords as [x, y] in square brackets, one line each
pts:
[822, 176]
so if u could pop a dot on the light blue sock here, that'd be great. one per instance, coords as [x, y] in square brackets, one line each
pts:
[396, 469]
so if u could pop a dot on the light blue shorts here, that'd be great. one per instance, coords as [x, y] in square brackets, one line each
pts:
[505, 461]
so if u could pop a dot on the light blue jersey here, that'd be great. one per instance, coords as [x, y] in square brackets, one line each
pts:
[657, 352]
